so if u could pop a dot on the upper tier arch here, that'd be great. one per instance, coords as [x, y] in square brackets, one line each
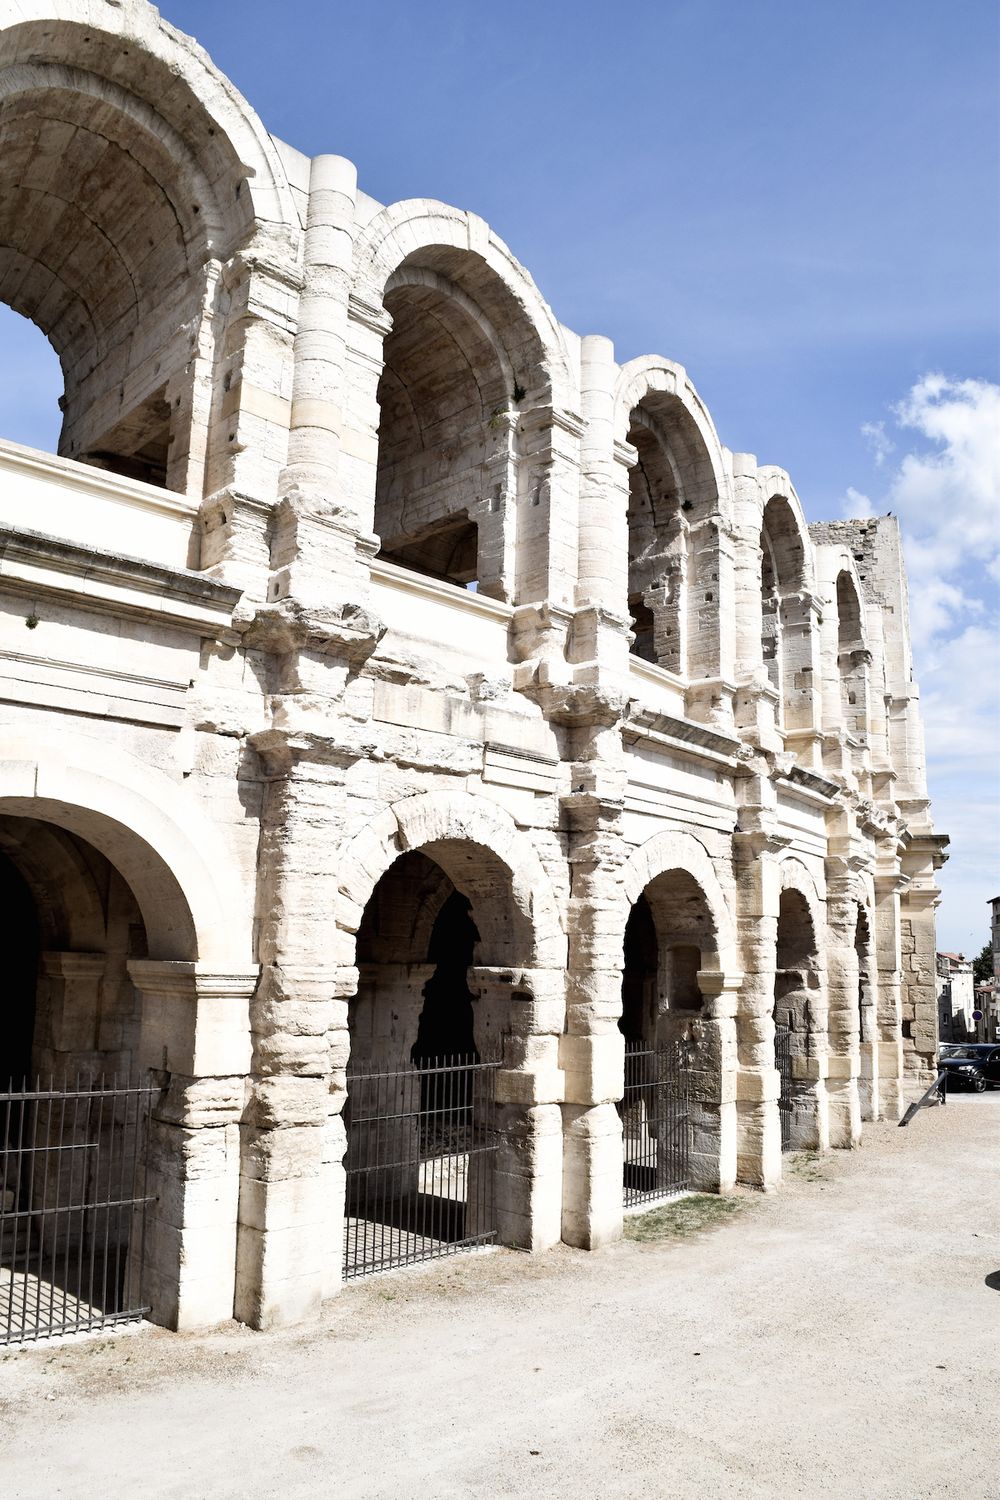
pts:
[421, 232]
[650, 376]
[128, 164]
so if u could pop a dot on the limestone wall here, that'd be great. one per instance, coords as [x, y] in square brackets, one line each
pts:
[396, 573]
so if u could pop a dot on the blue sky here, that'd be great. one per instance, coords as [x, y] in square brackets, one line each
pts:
[797, 201]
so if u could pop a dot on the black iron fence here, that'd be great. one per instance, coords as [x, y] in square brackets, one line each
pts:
[783, 1063]
[421, 1155]
[656, 1123]
[72, 1200]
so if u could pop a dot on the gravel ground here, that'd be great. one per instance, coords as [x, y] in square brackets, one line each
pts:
[837, 1339]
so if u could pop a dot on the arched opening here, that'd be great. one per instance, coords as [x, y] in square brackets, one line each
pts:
[456, 485]
[671, 489]
[784, 621]
[796, 986]
[427, 1033]
[669, 932]
[852, 660]
[31, 384]
[72, 1111]
[117, 194]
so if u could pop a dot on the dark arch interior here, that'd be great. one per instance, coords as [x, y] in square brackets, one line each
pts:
[639, 974]
[667, 932]
[418, 939]
[21, 946]
[445, 1028]
[795, 982]
[72, 923]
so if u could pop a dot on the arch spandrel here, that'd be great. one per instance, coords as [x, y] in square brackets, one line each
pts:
[177, 865]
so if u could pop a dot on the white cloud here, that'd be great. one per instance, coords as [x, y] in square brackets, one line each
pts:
[881, 445]
[949, 493]
[855, 506]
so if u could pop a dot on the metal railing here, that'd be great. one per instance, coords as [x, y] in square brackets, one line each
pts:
[656, 1124]
[72, 1200]
[939, 1088]
[421, 1154]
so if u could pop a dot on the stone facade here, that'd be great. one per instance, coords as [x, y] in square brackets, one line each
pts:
[360, 581]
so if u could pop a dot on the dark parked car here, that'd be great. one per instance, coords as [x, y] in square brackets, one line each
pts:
[971, 1065]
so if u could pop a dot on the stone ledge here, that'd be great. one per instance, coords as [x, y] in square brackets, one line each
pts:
[40, 565]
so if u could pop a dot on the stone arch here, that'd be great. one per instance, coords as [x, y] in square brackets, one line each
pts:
[651, 375]
[472, 366]
[479, 996]
[851, 631]
[674, 850]
[123, 143]
[407, 230]
[793, 875]
[788, 627]
[783, 521]
[62, 884]
[457, 830]
[680, 501]
[156, 837]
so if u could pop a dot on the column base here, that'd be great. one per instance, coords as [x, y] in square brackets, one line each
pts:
[592, 1175]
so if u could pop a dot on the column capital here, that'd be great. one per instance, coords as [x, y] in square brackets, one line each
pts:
[191, 980]
[195, 1018]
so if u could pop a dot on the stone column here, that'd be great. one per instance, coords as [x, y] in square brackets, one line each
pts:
[195, 1036]
[524, 1011]
[592, 1053]
[886, 940]
[601, 624]
[843, 983]
[713, 1083]
[317, 392]
[289, 1244]
[315, 552]
[757, 1088]
[711, 616]
[801, 675]
[258, 297]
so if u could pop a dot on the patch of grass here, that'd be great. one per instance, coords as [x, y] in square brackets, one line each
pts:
[680, 1220]
[809, 1165]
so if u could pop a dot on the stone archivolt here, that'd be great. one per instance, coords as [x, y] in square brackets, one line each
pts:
[361, 586]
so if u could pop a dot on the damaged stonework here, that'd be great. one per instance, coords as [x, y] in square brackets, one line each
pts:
[388, 673]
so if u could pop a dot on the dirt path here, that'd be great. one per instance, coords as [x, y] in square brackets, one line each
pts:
[839, 1339]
